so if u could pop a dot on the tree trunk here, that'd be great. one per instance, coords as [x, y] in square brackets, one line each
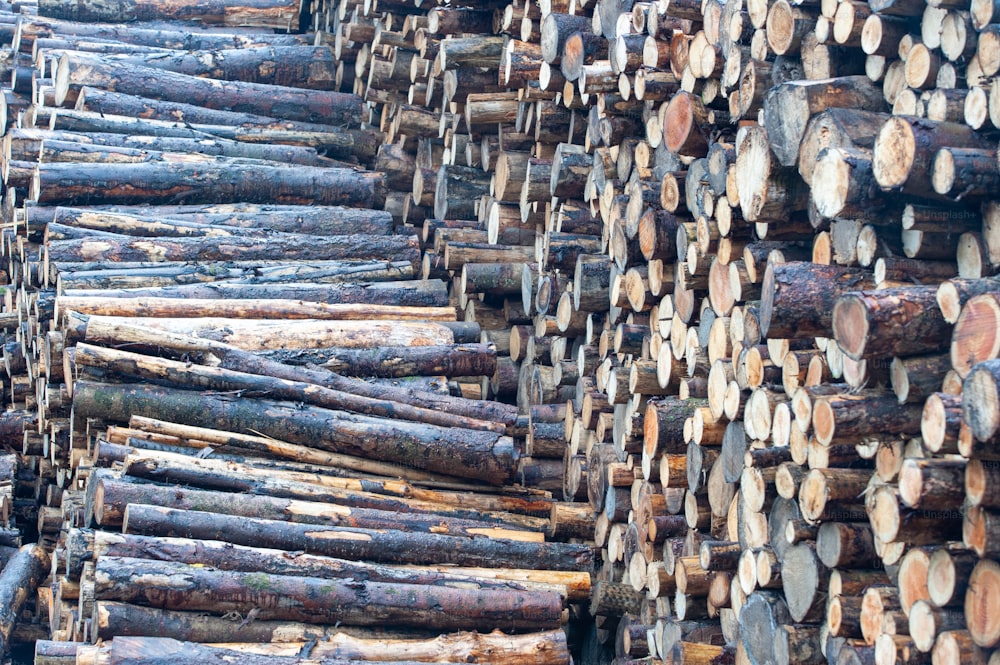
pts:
[326, 107]
[469, 454]
[311, 600]
[73, 184]
[798, 298]
[277, 14]
[904, 321]
[350, 543]
[18, 582]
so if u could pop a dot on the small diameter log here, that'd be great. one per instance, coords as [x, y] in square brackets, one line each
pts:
[904, 321]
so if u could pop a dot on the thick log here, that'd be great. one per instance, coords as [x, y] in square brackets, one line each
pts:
[485, 455]
[980, 393]
[311, 600]
[903, 151]
[789, 107]
[904, 321]
[326, 107]
[73, 184]
[358, 544]
[18, 582]
[278, 14]
[798, 298]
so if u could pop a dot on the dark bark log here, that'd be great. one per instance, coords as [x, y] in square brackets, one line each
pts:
[798, 297]
[358, 544]
[904, 322]
[71, 184]
[18, 582]
[175, 586]
[331, 108]
[483, 455]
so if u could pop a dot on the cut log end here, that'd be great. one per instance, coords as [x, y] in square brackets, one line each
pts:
[893, 154]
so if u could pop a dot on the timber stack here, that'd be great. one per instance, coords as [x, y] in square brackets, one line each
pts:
[226, 373]
[725, 385]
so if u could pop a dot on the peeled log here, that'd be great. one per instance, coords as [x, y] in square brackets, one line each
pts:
[904, 322]
[71, 183]
[172, 585]
[465, 453]
[357, 544]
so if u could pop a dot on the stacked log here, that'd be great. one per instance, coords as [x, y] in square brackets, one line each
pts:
[738, 288]
[215, 332]
[724, 275]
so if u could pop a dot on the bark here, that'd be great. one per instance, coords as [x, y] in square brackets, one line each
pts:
[326, 107]
[278, 14]
[18, 582]
[292, 66]
[111, 496]
[789, 107]
[108, 332]
[547, 648]
[172, 585]
[352, 543]
[71, 184]
[904, 321]
[470, 454]
[798, 298]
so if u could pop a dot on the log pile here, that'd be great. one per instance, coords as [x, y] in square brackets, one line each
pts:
[226, 372]
[722, 386]
[746, 234]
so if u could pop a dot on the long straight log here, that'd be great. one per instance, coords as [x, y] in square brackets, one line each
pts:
[326, 107]
[75, 184]
[108, 332]
[294, 66]
[82, 546]
[401, 361]
[358, 544]
[206, 146]
[276, 307]
[174, 220]
[111, 496]
[311, 600]
[278, 14]
[287, 638]
[481, 455]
